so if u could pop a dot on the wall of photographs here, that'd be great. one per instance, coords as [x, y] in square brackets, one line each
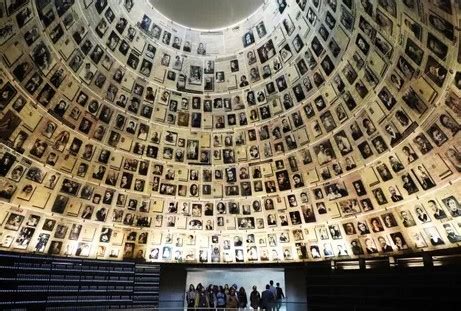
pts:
[312, 130]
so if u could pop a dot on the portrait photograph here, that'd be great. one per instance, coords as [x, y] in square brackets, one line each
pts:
[7, 93]
[14, 221]
[248, 39]
[23, 238]
[324, 152]
[414, 52]
[261, 29]
[435, 71]
[266, 52]
[195, 75]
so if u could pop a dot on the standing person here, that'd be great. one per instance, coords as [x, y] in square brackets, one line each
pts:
[255, 298]
[242, 297]
[209, 294]
[280, 295]
[267, 299]
[213, 290]
[201, 300]
[272, 288]
[190, 297]
[232, 300]
[221, 299]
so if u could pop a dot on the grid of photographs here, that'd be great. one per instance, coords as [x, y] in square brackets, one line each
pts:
[331, 130]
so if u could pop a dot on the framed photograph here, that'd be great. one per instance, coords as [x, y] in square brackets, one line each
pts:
[6, 32]
[442, 25]
[433, 236]
[285, 53]
[14, 221]
[324, 152]
[453, 205]
[24, 237]
[437, 47]
[248, 39]
[265, 52]
[435, 71]
[7, 93]
[196, 75]
[414, 52]
[261, 29]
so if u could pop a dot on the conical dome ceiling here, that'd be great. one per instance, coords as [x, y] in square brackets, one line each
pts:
[307, 131]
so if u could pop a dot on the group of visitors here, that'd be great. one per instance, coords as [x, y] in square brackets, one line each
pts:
[229, 298]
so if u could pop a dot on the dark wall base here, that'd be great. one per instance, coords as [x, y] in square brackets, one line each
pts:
[172, 287]
[40, 282]
[402, 284]
[426, 281]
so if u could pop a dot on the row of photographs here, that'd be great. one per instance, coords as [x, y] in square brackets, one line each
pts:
[373, 188]
[266, 179]
[294, 134]
[283, 174]
[38, 233]
[427, 213]
[229, 175]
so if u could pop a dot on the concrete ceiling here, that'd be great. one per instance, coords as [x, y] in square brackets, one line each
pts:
[206, 14]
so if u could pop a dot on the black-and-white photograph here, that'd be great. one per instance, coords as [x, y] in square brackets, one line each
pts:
[248, 38]
[265, 52]
[195, 77]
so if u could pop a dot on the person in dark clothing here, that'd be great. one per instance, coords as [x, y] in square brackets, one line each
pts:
[267, 299]
[211, 296]
[190, 297]
[272, 288]
[255, 298]
[242, 297]
[280, 296]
